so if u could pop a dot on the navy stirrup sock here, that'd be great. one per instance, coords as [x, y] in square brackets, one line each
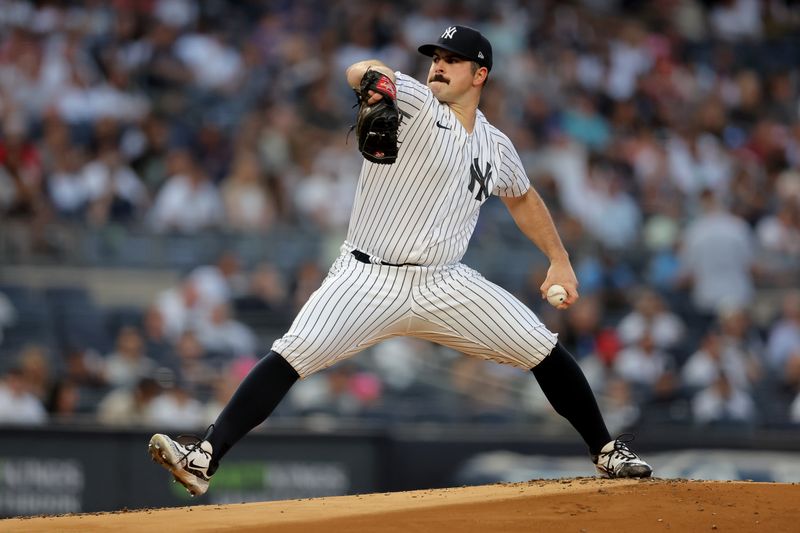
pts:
[257, 396]
[567, 390]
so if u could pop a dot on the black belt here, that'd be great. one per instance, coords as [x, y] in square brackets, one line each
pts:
[366, 258]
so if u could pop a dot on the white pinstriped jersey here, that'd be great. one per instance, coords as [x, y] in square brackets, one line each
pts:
[423, 208]
[421, 212]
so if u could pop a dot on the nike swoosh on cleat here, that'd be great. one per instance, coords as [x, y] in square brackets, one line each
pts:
[196, 469]
[439, 124]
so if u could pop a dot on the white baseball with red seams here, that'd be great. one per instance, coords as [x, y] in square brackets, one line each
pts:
[556, 295]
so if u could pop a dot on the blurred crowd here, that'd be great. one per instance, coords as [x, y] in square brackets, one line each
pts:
[663, 135]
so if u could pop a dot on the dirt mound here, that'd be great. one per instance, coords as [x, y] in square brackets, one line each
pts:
[582, 504]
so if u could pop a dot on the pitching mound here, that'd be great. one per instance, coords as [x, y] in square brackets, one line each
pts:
[583, 504]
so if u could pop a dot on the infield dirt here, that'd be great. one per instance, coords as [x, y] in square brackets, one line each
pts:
[568, 505]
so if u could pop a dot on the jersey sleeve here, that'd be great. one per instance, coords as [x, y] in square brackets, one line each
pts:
[512, 180]
[411, 94]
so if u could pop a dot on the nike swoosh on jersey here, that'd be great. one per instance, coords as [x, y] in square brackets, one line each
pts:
[439, 124]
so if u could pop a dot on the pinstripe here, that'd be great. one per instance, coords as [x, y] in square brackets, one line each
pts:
[518, 325]
[411, 145]
[323, 308]
[332, 302]
[426, 213]
[383, 309]
[328, 295]
[353, 317]
[431, 197]
[512, 313]
[342, 318]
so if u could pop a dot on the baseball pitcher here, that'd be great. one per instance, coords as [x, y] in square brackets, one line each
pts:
[431, 161]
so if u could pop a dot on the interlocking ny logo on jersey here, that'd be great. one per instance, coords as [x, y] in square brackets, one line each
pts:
[481, 178]
[448, 33]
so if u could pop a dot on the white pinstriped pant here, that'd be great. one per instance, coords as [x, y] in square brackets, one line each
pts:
[360, 304]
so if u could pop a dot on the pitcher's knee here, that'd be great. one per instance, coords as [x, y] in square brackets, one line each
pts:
[304, 355]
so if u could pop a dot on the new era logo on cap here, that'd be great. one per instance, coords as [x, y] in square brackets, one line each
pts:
[466, 42]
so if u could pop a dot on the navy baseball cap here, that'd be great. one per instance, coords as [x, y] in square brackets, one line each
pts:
[467, 42]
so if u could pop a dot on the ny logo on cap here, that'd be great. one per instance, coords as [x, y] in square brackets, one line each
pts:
[448, 33]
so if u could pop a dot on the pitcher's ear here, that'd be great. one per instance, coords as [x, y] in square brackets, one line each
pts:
[480, 75]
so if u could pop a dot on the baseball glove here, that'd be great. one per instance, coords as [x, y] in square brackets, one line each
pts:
[377, 124]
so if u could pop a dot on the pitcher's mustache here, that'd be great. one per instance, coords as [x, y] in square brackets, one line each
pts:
[439, 77]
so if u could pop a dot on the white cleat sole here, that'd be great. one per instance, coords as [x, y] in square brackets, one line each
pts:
[164, 453]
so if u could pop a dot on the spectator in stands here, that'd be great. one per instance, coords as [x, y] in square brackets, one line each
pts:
[794, 410]
[165, 76]
[266, 298]
[741, 335]
[308, 276]
[248, 203]
[583, 328]
[649, 369]
[399, 361]
[582, 121]
[736, 20]
[609, 212]
[718, 258]
[129, 362]
[275, 142]
[8, 315]
[220, 282]
[180, 308]
[715, 357]
[18, 404]
[23, 202]
[222, 334]
[188, 202]
[619, 405]
[698, 164]
[176, 407]
[345, 391]
[56, 139]
[651, 316]
[115, 192]
[723, 403]
[151, 161]
[787, 183]
[113, 97]
[487, 390]
[21, 171]
[212, 148]
[62, 402]
[224, 387]
[128, 406]
[749, 194]
[660, 234]
[34, 363]
[67, 189]
[783, 344]
[84, 367]
[158, 345]
[323, 195]
[192, 365]
[214, 64]
[779, 238]
[605, 275]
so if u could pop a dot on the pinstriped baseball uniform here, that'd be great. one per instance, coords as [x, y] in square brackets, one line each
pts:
[399, 271]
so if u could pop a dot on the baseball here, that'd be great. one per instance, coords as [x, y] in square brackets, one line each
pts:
[556, 295]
